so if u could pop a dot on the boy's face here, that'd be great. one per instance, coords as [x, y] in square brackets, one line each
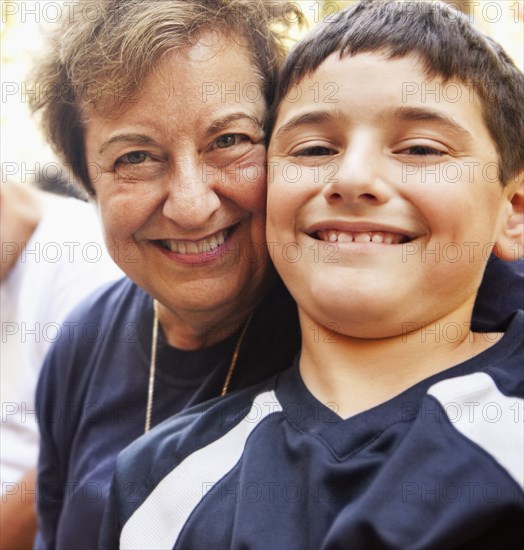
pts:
[387, 184]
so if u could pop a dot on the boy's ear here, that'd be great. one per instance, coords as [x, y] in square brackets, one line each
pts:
[510, 243]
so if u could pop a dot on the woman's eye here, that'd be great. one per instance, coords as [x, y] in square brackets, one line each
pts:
[134, 157]
[228, 140]
[422, 150]
[315, 151]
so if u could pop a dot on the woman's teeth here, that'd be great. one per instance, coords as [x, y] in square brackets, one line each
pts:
[197, 247]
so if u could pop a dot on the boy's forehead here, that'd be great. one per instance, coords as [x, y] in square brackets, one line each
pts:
[375, 67]
[372, 85]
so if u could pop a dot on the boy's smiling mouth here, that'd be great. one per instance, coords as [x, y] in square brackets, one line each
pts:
[360, 237]
[360, 232]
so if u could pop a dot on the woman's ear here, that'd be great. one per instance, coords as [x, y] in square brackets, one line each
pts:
[510, 243]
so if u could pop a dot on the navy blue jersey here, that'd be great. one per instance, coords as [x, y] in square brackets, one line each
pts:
[439, 466]
[500, 295]
[92, 395]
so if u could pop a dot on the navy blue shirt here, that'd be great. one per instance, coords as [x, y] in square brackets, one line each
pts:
[501, 294]
[92, 393]
[271, 467]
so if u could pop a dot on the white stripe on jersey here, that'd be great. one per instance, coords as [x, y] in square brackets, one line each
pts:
[478, 410]
[158, 521]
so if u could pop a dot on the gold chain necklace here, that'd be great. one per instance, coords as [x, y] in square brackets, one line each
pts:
[152, 365]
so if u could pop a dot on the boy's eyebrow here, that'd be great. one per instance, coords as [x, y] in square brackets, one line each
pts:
[400, 113]
[313, 117]
[409, 114]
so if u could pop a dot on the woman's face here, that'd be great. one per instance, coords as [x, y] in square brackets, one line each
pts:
[180, 179]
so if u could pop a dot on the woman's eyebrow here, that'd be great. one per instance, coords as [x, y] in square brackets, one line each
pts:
[216, 126]
[139, 139]
[223, 122]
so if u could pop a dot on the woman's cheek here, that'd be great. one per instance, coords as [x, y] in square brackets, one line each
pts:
[252, 179]
[119, 216]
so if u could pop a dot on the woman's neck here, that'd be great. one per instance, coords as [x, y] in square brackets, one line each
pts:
[192, 330]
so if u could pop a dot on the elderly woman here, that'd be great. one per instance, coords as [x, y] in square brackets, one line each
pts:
[160, 109]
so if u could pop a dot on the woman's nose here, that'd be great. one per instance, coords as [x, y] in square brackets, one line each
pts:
[191, 199]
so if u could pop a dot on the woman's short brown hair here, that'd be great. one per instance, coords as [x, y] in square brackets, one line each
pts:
[101, 55]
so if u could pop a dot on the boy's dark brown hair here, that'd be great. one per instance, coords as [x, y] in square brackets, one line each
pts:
[448, 45]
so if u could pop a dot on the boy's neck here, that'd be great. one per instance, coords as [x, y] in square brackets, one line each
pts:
[356, 374]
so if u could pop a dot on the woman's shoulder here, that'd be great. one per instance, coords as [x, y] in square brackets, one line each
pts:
[111, 302]
[103, 319]
[103, 326]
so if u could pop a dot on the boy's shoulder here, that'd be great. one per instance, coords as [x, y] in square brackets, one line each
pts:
[485, 404]
[499, 367]
[201, 425]
[501, 293]
[167, 459]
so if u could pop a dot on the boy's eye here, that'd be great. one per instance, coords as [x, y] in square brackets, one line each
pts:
[315, 151]
[421, 150]
[228, 140]
[134, 157]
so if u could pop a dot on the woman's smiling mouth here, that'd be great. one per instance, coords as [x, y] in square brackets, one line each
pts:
[198, 247]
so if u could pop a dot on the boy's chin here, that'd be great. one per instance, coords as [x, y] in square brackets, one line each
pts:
[362, 317]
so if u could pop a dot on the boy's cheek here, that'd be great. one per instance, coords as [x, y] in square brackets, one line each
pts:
[274, 171]
[279, 220]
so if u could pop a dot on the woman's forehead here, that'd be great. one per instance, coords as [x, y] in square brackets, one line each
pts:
[213, 68]
[190, 95]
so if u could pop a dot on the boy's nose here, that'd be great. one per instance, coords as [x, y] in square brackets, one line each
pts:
[359, 178]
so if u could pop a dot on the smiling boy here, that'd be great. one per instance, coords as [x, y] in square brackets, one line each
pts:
[413, 190]
[397, 427]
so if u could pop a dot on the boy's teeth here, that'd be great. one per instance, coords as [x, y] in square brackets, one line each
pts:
[342, 238]
[379, 237]
[196, 247]
[362, 238]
